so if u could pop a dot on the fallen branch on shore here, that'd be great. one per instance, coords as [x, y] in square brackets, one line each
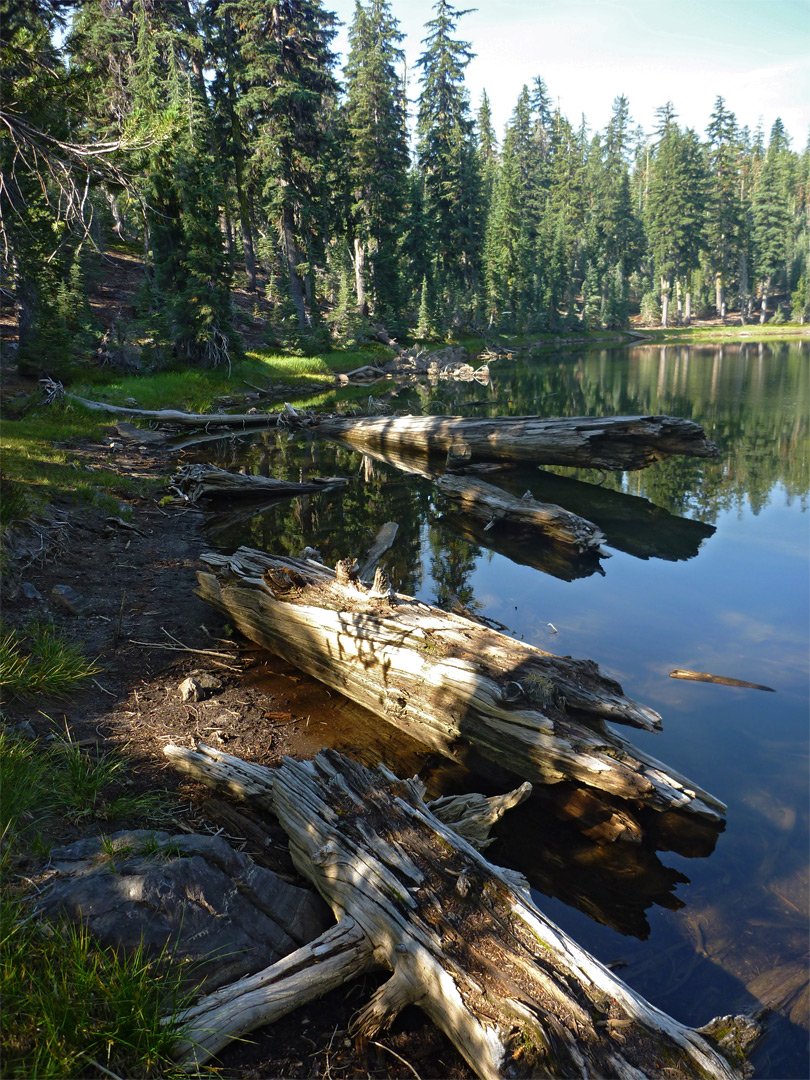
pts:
[463, 941]
[471, 693]
[193, 482]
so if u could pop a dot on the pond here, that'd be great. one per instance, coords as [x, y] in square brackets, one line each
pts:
[708, 571]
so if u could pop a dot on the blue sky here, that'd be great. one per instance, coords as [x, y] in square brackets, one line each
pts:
[754, 53]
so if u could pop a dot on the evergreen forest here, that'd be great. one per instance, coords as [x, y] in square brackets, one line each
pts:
[220, 142]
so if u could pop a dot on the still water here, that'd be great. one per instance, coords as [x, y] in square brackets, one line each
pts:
[708, 571]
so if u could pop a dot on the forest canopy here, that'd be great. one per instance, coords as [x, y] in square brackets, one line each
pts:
[219, 142]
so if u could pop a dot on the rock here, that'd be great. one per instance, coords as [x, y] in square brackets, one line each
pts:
[198, 686]
[194, 896]
[69, 600]
[29, 591]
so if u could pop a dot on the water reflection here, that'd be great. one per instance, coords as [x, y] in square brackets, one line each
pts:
[709, 571]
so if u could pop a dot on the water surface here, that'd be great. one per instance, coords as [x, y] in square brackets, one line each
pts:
[709, 571]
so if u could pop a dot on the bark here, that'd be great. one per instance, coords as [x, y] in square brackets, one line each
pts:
[766, 288]
[461, 937]
[616, 443]
[359, 260]
[292, 258]
[196, 481]
[665, 291]
[492, 505]
[469, 692]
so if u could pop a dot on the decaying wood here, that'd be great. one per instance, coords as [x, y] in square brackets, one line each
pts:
[619, 442]
[452, 684]
[176, 416]
[491, 504]
[514, 994]
[199, 480]
[719, 680]
[521, 546]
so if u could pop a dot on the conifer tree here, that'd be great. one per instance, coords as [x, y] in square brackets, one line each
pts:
[446, 154]
[724, 208]
[287, 90]
[377, 154]
[771, 218]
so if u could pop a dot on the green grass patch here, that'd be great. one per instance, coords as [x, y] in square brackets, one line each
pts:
[70, 1008]
[685, 335]
[198, 389]
[39, 464]
[40, 660]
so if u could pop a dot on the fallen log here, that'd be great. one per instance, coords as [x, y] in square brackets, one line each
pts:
[718, 680]
[522, 547]
[630, 523]
[463, 941]
[619, 442]
[196, 481]
[493, 505]
[459, 687]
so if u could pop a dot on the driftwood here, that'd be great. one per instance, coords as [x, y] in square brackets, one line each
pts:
[463, 941]
[194, 482]
[469, 692]
[176, 416]
[619, 442]
[493, 505]
[718, 680]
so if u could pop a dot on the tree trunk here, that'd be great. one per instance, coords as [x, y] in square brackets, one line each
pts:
[492, 505]
[687, 316]
[197, 481]
[609, 443]
[470, 693]
[359, 260]
[766, 289]
[291, 262]
[463, 941]
[665, 291]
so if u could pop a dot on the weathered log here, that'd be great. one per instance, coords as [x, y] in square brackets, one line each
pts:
[619, 442]
[491, 504]
[176, 416]
[522, 547]
[514, 994]
[718, 680]
[199, 480]
[450, 683]
[630, 523]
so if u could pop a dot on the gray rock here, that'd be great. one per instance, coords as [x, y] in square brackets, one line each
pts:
[193, 896]
[69, 600]
[198, 686]
[29, 591]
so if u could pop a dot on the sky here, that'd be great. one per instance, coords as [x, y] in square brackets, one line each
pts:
[753, 53]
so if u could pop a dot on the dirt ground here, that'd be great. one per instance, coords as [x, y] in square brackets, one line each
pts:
[138, 614]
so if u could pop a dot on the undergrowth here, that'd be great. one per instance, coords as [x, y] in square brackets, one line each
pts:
[41, 660]
[70, 1008]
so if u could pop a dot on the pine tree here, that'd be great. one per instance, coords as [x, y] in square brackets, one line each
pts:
[377, 154]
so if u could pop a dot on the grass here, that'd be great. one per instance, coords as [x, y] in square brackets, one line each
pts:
[40, 660]
[40, 464]
[70, 1008]
[686, 335]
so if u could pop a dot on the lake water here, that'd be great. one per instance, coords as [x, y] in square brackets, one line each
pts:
[709, 571]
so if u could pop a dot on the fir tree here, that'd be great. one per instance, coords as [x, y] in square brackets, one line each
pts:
[446, 152]
[377, 154]
[771, 217]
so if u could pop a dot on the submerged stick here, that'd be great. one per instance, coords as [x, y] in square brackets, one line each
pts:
[720, 680]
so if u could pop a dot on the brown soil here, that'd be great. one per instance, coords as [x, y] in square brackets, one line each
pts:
[149, 631]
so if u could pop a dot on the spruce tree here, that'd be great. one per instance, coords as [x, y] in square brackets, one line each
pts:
[771, 218]
[724, 207]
